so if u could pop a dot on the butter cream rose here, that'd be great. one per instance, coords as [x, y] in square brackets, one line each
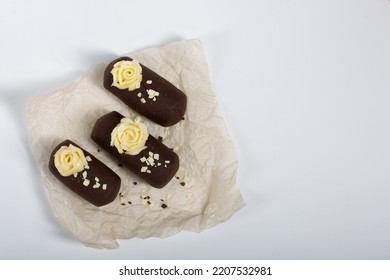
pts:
[127, 75]
[69, 160]
[129, 136]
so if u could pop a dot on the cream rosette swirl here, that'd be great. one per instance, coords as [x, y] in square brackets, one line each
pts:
[69, 160]
[129, 136]
[127, 74]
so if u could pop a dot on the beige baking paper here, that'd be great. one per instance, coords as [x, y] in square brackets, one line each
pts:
[208, 160]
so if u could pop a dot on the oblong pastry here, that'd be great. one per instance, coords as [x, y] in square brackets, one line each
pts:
[145, 91]
[129, 142]
[84, 174]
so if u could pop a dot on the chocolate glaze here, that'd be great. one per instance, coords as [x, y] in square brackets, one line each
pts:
[98, 196]
[160, 175]
[170, 105]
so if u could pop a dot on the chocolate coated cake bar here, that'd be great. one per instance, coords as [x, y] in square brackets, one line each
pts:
[145, 91]
[84, 174]
[156, 163]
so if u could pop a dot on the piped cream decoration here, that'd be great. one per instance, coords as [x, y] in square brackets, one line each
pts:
[69, 160]
[129, 136]
[127, 74]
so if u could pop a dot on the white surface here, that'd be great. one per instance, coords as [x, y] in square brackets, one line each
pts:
[305, 90]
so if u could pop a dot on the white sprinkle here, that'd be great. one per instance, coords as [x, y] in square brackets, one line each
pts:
[75, 175]
[150, 159]
[167, 161]
[88, 158]
[154, 99]
[104, 187]
[86, 182]
[148, 171]
[152, 93]
[96, 186]
[144, 168]
[86, 167]
[165, 166]
[139, 94]
[143, 159]
[159, 163]
[143, 100]
[150, 154]
[96, 179]
[149, 82]
[156, 156]
[84, 174]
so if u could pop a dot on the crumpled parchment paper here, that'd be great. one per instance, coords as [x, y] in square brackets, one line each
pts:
[204, 192]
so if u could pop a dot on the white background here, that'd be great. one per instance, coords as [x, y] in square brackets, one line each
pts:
[304, 87]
